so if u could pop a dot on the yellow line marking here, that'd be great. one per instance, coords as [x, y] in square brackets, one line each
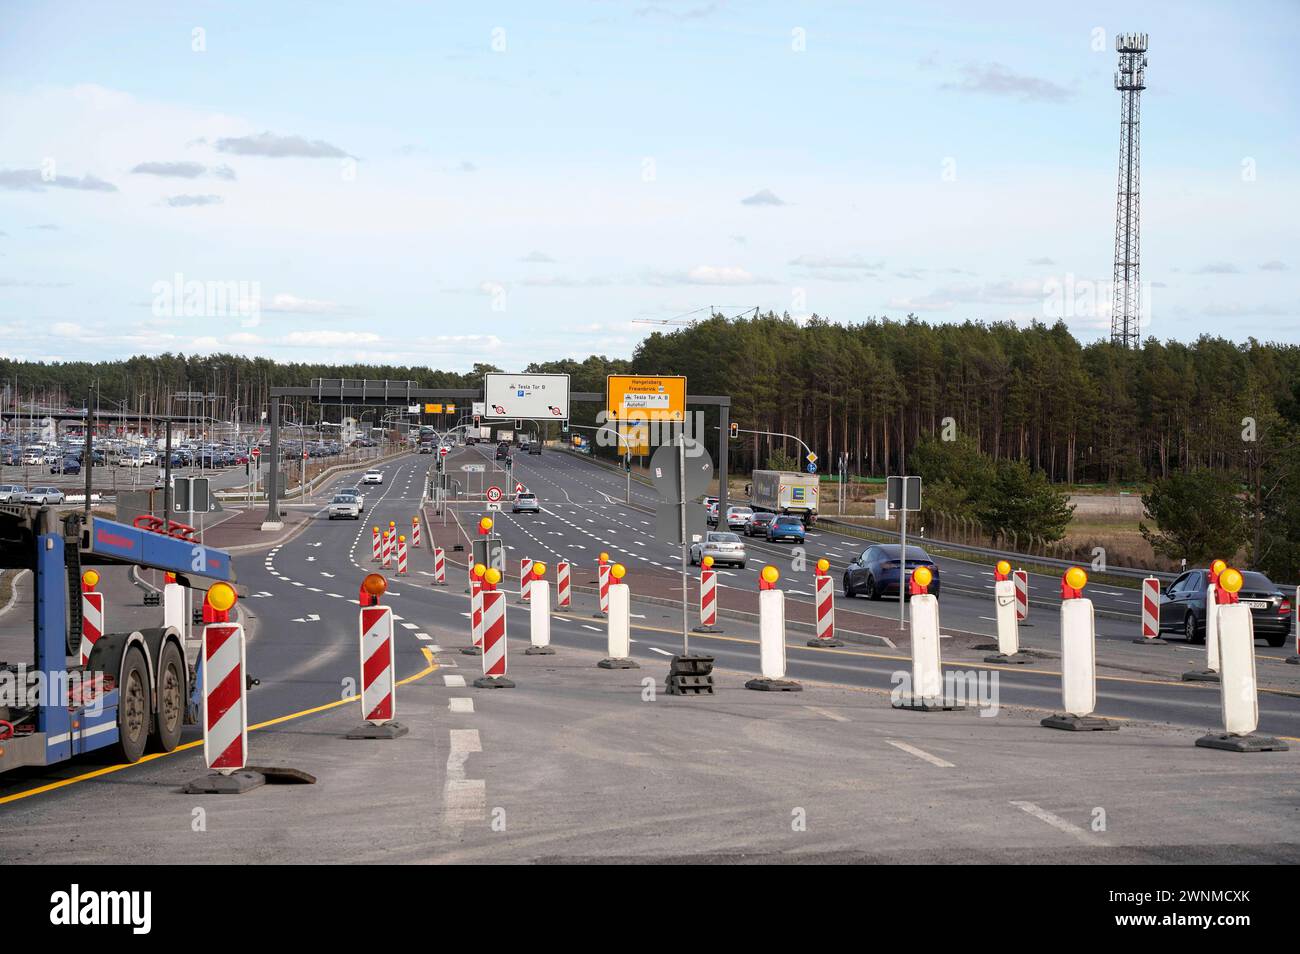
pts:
[430, 666]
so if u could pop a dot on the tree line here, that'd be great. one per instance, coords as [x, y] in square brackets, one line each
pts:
[875, 392]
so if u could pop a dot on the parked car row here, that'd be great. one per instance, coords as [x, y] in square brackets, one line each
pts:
[44, 496]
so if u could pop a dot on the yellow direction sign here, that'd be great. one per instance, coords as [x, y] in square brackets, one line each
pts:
[634, 439]
[634, 397]
[433, 409]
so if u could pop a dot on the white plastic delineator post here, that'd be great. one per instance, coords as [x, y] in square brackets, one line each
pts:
[771, 644]
[174, 614]
[618, 632]
[1008, 618]
[1078, 661]
[539, 619]
[927, 665]
[1238, 693]
[1211, 671]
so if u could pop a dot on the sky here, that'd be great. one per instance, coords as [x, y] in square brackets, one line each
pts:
[442, 184]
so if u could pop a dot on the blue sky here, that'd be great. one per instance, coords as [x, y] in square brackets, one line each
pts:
[441, 184]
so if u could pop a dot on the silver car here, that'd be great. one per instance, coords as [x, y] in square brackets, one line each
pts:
[345, 507]
[12, 493]
[526, 502]
[724, 547]
[43, 495]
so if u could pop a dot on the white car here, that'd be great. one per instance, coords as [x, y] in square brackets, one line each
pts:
[12, 493]
[130, 460]
[373, 477]
[43, 495]
[355, 492]
[344, 507]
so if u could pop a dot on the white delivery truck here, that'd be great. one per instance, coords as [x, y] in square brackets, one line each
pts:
[505, 436]
[485, 432]
[780, 491]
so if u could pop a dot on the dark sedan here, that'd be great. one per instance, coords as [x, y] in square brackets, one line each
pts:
[1182, 606]
[758, 524]
[876, 571]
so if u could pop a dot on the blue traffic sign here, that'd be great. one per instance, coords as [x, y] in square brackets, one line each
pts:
[812, 468]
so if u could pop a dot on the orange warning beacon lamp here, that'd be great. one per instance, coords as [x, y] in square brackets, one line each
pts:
[491, 578]
[618, 571]
[1073, 582]
[823, 565]
[767, 579]
[920, 582]
[372, 587]
[1230, 582]
[89, 580]
[1002, 571]
[485, 526]
[218, 602]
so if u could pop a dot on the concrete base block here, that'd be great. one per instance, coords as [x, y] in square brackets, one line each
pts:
[236, 783]
[1074, 723]
[774, 685]
[824, 643]
[623, 663]
[272, 525]
[1153, 641]
[926, 704]
[389, 730]
[1293, 660]
[707, 629]
[599, 616]
[1020, 658]
[493, 682]
[1242, 743]
[471, 651]
[540, 651]
[1200, 675]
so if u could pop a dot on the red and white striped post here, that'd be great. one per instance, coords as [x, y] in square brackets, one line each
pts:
[476, 573]
[1295, 614]
[375, 546]
[1021, 578]
[403, 558]
[1150, 613]
[388, 550]
[378, 693]
[92, 614]
[824, 603]
[708, 598]
[563, 597]
[494, 635]
[415, 532]
[602, 587]
[525, 579]
[225, 709]
[439, 567]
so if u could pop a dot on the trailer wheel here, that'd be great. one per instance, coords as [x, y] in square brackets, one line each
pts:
[133, 707]
[171, 699]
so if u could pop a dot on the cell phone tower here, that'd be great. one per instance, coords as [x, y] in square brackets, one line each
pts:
[1130, 80]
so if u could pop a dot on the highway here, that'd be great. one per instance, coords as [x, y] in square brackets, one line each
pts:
[300, 612]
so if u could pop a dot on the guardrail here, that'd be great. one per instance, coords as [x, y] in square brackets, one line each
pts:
[1124, 571]
[298, 491]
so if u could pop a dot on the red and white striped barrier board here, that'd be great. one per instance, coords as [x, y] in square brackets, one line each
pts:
[403, 558]
[476, 609]
[92, 623]
[1150, 608]
[440, 566]
[525, 578]
[1021, 578]
[388, 550]
[375, 547]
[708, 598]
[378, 689]
[225, 713]
[825, 599]
[602, 575]
[562, 593]
[494, 633]
[415, 532]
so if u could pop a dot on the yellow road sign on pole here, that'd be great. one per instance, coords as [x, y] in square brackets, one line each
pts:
[632, 397]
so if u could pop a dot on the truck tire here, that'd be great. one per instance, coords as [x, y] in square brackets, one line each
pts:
[170, 717]
[133, 706]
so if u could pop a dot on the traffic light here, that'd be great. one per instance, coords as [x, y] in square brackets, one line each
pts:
[735, 430]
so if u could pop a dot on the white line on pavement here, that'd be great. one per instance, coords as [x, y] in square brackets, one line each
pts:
[452, 681]
[826, 713]
[920, 754]
[460, 704]
[1055, 821]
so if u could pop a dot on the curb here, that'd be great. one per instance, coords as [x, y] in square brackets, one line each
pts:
[13, 592]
